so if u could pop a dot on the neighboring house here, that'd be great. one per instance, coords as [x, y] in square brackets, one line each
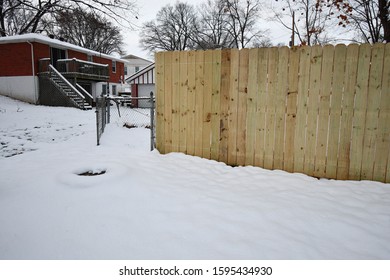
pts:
[41, 70]
[134, 64]
[142, 83]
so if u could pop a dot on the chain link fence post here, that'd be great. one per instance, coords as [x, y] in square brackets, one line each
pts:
[151, 121]
[97, 123]
[108, 104]
[101, 114]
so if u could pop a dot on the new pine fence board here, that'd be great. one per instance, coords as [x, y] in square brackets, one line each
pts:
[291, 110]
[359, 114]
[251, 107]
[183, 74]
[176, 96]
[242, 106]
[323, 111]
[190, 135]
[280, 107]
[262, 80]
[208, 91]
[199, 96]
[160, 114]
[382, 164]
[372, 113]
[168, 102]
[347, 109]
[312, 109]
[224, 98]
[216, 105]
[339, 69]
[233, 107]
[302, 101]
[271, 108]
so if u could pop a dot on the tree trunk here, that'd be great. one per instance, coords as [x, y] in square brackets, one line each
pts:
[384, 15]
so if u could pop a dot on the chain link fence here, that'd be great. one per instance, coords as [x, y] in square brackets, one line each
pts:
[101, 116]
[129, 112]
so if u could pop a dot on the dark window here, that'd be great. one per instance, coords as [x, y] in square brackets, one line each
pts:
[113, 66]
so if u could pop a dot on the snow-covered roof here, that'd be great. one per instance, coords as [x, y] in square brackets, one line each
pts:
[131, 56]
[33, 37]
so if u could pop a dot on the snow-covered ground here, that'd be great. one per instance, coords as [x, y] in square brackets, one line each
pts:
[152, 206]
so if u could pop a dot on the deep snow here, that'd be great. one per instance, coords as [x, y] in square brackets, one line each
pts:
[152, 206]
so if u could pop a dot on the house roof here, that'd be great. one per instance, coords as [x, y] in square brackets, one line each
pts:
[131, 56]
[33, 37]
[145, 71]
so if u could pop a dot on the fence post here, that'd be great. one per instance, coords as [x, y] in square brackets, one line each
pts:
[108, 104]
[97, 122]
[151, 121]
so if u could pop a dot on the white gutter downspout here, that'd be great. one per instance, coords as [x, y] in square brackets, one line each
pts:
[33, 72]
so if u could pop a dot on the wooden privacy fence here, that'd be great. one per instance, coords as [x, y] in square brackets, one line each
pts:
[322, 111]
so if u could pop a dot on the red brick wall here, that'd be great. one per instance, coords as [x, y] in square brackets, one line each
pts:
[120, 72]
[78, 55]
[40, 51]
[15, 60]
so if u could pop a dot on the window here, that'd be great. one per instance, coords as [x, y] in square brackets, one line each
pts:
[113, 66]
[125, 70]
[104, 89]
[113, 89]
[89, 58]
[136, 69]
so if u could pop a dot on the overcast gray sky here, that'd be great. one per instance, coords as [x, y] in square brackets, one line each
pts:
[148, 10]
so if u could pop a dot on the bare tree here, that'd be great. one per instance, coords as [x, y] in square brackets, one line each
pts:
[25, 16]
[242, 24]
[312, 20]
[218, 24]
[172, 29]
[86, 29]
[369, 18]
[212, 27]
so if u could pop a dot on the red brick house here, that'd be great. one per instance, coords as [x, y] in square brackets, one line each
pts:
[41, 70]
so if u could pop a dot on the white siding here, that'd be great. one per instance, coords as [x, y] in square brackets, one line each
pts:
[97, 88]
[24, 88]
[133, 63]
[144, 91]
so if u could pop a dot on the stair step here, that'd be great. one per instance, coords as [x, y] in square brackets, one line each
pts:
[70, 93]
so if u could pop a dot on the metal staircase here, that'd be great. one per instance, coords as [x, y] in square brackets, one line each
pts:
[68, 90]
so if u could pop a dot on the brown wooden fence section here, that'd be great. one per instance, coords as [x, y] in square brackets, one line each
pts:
[322, 111]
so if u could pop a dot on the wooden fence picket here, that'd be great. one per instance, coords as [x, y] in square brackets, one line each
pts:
[183, 101]
[190, 135]
[335, 108]
[251, 107]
